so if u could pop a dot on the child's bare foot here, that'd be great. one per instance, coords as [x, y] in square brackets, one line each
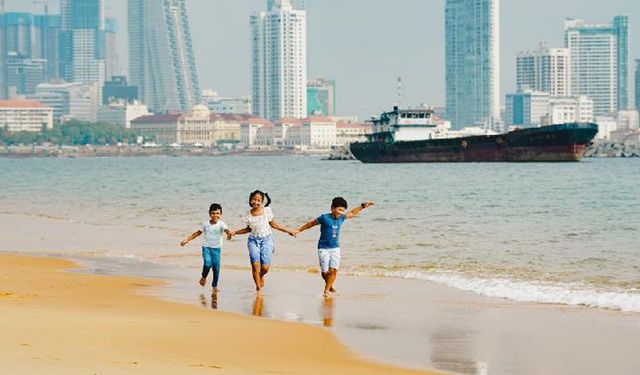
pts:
[332, 290]
[202, 281]
[215, 290]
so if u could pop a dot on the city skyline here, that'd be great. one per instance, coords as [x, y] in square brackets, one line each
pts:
[345, 37]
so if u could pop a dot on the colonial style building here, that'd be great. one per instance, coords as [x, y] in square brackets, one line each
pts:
[25, 115]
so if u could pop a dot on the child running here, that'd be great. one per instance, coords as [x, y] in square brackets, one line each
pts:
[259, 221]
[211, 244]
[329, 242]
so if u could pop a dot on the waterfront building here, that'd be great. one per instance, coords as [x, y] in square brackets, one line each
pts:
[24, 74]
[161, 59]
[607, 125]
[526, 108]
[25, 115]
[69, 100]
[537, 108]
[570, 109]
[279, 62]
[121, 113]
[321, 97]
[197, 126]
[545, 69]
[349, 132]
[472, 62]
[256, 132]
[599, 62]
[317, 132]
[219, 104]
[628, 120]
[48, 34]
[118, 90]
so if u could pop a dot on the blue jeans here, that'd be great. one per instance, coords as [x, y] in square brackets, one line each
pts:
[260, 249]
[211, 258]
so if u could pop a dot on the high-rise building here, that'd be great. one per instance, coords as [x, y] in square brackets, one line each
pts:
[472, 62]
[279, 66]
[23, 75]
[637, 96]
[3, 54]
[161, 60]
[48, 31]
[69, 100]
[118, 90]
[599, 62]
[18, 33]
[321, 97]
[296, 4]
[545, 69]
[112, 63]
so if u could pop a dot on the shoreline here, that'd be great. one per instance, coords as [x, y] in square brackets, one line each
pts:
[114, 327]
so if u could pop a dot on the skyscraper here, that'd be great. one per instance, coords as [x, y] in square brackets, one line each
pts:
[279, 62]
[112, 58]
[599, 62]
[637, 96]
[161, 60]
[47, 46]
[296, 4]
[472, 62]
[545, 69]
[3, 55]
[83, 26]
[18, 33]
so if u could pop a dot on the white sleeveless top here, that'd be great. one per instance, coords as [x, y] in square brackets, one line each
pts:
[259, 224]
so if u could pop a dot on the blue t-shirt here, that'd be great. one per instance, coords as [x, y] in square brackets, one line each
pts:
[329, 231]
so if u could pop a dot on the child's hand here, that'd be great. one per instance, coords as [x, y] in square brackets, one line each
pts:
[294, 232]
[230, 235]
[184, 242]
[367, 204]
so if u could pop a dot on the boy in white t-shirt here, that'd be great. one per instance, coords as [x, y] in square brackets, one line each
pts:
[211, 244]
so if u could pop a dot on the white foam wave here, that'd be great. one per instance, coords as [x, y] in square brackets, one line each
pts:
[529, 291]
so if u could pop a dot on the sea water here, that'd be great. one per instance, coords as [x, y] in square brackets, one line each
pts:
[541, 232]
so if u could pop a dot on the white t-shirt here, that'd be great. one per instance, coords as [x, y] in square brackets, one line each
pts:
[212, 233]
[259, 224]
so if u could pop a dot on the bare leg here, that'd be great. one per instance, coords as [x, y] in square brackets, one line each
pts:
[331, 278]
[255, 271]
[263, 271]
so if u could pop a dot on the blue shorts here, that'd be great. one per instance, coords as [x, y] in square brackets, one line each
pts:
[260, 249]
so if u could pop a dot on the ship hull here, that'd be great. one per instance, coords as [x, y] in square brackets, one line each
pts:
[554, 143]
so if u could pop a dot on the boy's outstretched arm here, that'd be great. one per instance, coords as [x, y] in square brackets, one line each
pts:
[191, 237]
[354, 212]
[307, 225]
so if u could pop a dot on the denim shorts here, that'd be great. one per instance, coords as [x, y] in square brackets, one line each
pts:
[260, 249]
[329, 258]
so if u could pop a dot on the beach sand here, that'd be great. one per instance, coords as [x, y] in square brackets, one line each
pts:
[71, 323]
[55, 322]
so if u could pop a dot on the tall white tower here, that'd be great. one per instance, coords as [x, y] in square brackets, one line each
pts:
[279, 62]
[472, 31]
[544, 69]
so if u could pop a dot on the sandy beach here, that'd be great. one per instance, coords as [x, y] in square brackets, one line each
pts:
[56, 322]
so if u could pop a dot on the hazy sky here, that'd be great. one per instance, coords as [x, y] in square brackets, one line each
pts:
[366, 44]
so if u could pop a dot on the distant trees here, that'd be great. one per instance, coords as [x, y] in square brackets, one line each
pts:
[73, 132]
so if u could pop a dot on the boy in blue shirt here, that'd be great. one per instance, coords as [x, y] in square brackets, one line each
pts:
[329, 242]
[211, 244]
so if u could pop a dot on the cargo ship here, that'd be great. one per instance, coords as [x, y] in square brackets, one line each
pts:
[418, 136]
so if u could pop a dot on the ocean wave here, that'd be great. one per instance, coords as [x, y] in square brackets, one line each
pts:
[527, 291]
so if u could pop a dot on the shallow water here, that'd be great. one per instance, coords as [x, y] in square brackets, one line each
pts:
[541, 232]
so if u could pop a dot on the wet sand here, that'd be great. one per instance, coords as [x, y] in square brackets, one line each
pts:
[411, 323]
[55, 322]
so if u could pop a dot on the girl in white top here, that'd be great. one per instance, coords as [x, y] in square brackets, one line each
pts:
[259, 221]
